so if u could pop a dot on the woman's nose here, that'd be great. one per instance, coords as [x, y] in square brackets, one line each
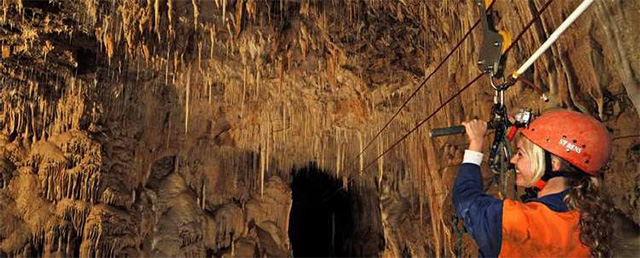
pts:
[514, 159]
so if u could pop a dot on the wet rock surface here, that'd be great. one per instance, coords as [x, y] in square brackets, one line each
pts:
[178, 128]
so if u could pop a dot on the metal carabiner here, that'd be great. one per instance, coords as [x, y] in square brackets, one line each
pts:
[500, 86]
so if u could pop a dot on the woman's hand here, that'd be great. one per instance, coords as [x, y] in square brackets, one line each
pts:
[476, 129]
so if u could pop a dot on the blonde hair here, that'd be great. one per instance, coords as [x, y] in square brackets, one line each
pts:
[536, 157]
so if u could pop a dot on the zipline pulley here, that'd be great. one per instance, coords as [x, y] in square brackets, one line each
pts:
[491, 59]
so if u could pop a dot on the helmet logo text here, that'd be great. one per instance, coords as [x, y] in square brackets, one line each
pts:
[570, 146]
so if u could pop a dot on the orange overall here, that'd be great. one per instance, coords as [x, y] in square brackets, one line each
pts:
[540, 227]
[533, 230]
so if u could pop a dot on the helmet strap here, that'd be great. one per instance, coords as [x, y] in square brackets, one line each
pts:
[548, 169]
[532, 192]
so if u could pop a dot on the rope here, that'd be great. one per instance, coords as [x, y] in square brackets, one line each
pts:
[420, 85]
[535, 18]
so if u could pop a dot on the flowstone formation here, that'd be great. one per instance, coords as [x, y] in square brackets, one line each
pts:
[210, 128]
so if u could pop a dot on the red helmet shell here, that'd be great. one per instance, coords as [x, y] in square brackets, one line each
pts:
[575, 137]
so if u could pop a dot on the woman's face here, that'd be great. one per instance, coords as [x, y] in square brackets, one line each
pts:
[522, 162]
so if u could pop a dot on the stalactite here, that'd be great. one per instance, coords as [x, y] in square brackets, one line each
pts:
[244, 86]
[137, 60]
[166, 68]
[263, 161]
[196, 13]
[43, 110]
[170, 18]
[224, 11]
[322, 146]
[19, 122]
[209, 88]
[200, 57]
[186, 108]
[258, 81]
[380, 162]
[338, 154]
[345, 150]
[212, 36]
[269, 141]
[59, 238]
[204, 192]
[32, 107]
[12, 123]
[361, 155]
[156, 24]
[175, 68]
[169, 132]
[233, 246]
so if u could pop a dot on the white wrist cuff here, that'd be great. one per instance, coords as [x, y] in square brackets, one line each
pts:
[472, 157]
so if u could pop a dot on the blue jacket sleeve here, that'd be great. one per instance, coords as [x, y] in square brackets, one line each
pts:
[481, 213]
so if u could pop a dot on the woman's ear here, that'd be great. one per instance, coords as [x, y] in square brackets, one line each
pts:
[555, 164]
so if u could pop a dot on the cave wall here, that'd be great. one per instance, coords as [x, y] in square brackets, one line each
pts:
[172, 127]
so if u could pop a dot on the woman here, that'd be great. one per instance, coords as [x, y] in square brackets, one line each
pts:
[561, 153]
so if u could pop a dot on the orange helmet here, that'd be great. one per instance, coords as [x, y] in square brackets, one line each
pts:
[577, 138]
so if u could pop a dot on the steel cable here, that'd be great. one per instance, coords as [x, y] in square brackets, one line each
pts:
[535, 18]
[422, 84]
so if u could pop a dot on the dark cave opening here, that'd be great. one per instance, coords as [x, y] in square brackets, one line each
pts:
[329, 221]
[320, 218]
